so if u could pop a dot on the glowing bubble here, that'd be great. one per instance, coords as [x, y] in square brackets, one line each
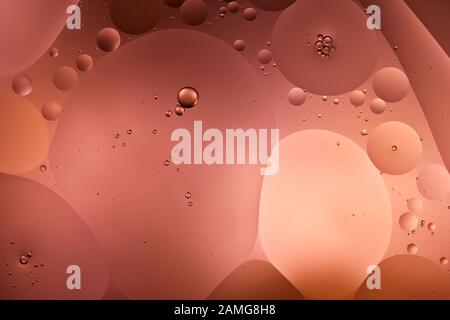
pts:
[378, 106]
[65, 78]
[433, 182]
[312, 215]
[394, 147]
[255, 280]
[391, 84]
[24, 143]
[408, 277]
[412, 248]
[357, 98]
[271, 5]
[22, 85]
[408, 221]
[188, 97]
[414, 204]
[239, 45]
[250, 14]
[194, 12]
[296, 96]
[108, 39]
[84, 62]
[51, 110]
[135, 16]
[264, 56]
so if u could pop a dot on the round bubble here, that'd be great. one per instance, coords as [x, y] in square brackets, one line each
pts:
[296, 96]
[194, 12]
[108, 39]
[391, 84]
[433, 182]
[135, 16]
[65, 78]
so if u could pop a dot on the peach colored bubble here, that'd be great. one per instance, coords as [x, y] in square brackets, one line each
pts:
[433, 182]
[65, 78]
[51, 110]
[296, 96]
[378, 106]
[24, 136]
[357, 98]
[408, 221]
[320, 228]
[394, 147]
[414, 204]
[391, 84]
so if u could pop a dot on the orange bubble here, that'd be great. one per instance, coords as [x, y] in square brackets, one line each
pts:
[391, 84]
[24, 143]
[408, 221]
[394, 147]
[414, 204]
[65, 78]
[312, 215]
[22, 85]
[51, 110]
[412, 248]
[378, 106]
[188, 97]
[357, 98]
[264, 56]
[85, 62]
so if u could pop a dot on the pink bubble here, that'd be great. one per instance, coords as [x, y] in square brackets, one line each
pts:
[108, 39]
[433, 182]
[408, 221]
[264, 56]
[378, 106]
[414, 204]
[357, 98]
[22, 85]
[51, 110]
[250, 14]
[194, 12]
[391, 84]
[394, 147]
[296, 96]
[65, 78]
[239, 45]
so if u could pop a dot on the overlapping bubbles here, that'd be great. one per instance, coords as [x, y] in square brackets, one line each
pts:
[324, 45]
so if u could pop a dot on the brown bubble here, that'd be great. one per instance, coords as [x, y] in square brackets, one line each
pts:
[43, 168]
[398, 160]
[166, 163]
[239, 45]
[273, 5]
[51, 110]
[188, 97]
[378, 106]
[357, 98]
[23, 260]
[296, 96]
[250, 14]
[412, 248]
[414, 204]
[433, 182]
[194, 12]
[53, 52]
[108, 39]
[233, 6]
[264, 56]
[84, 62]
[135, 16]
[408, 277]
[336, 101]
[391, 84]
[168, 113]
[408, 221]
[443, 261]
[179, 110]
[65, 78]
[174, 3]
[188, 195]
[22, 85]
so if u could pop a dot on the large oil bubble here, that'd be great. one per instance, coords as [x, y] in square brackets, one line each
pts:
[391, 84]
[320, 224]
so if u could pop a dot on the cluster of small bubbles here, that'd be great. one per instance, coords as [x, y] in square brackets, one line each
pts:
[324, 45]
[43, 168]
[168, 113]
